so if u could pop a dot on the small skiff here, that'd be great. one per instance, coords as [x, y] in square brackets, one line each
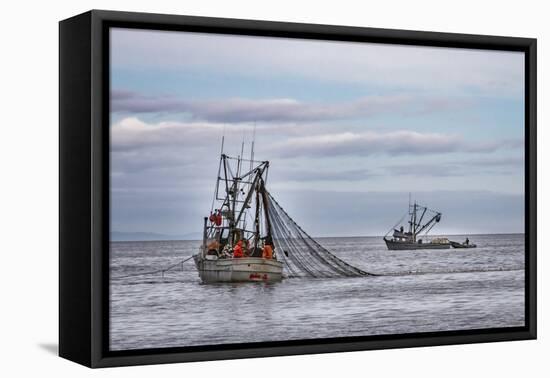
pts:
[462, 245]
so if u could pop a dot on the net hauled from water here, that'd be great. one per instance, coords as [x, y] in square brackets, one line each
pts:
[301, 255]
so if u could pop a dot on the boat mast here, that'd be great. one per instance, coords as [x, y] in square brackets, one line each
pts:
[216, 191]
[252, 152]
[259, 172]
[410, 215]
[414, 222]
[257, 221]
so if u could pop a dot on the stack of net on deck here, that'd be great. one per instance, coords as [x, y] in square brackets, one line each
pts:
[301, 255]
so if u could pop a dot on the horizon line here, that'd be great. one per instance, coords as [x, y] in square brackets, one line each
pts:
[332, 237]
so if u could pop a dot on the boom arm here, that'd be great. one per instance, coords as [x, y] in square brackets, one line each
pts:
[259, 173]
[435, 218]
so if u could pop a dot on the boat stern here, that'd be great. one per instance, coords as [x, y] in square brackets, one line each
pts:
[246, 269]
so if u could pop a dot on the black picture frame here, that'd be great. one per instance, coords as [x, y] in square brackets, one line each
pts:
[84, 187]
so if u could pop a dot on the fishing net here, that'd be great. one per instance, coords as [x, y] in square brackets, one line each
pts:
[301, 255]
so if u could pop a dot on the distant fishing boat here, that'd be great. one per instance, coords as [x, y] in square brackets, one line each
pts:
[410, 239]
[237, 243]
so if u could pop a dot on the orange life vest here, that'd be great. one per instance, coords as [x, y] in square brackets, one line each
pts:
[267, 253]
[238, 250]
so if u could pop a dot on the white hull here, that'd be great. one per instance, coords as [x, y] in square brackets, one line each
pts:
[245, 269]
[404, 245]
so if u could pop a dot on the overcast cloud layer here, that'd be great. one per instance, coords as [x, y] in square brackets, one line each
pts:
[355, 125]
[232, 110]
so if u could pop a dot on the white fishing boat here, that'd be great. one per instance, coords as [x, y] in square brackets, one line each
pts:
[237, 242]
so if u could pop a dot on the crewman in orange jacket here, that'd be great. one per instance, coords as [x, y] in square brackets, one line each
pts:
[267, 252]
[238, 250]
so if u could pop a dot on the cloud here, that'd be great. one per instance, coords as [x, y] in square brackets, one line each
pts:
[132, 133]
[494, 145]
[465, 167]
[486, 72]
[391, 143]
[508, 161]
[121, 94]
[301, 175]
[163, 173]
[234, 110]
[431, 170]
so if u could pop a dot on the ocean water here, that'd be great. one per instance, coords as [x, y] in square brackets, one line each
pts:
[417, 291]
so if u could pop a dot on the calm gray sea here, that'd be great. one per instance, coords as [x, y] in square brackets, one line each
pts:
[418, 291]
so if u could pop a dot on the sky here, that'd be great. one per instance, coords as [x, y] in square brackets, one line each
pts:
[350, 129]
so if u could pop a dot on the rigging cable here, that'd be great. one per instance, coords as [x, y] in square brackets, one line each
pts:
[162, 271]
[397, 224]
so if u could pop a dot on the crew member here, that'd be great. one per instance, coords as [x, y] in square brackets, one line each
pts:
[238, 250]
[267, 252]
[213, 247]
